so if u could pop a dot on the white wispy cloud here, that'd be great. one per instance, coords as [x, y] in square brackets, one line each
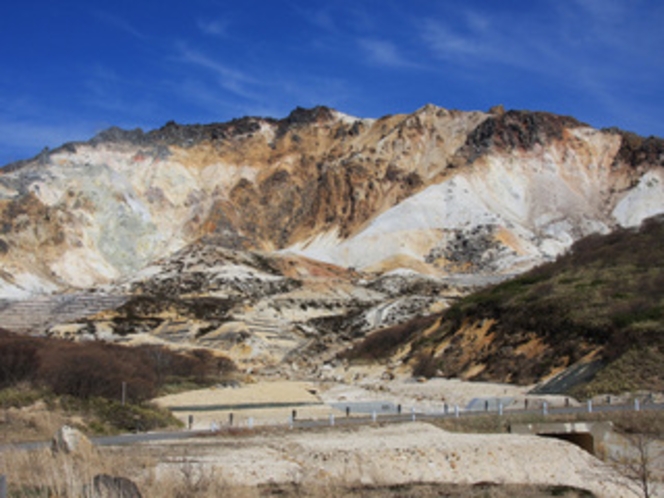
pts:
[220, 87]
[231, 79]
[321, 18]
[445, 43]
[607, 10]
[384, 53]
[205, 96]
[559, 44]
[109, 91]
[604, 52]
[216, 27]
[121, 24]
[473, 40]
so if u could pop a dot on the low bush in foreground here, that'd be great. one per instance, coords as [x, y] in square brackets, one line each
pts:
[107, 416]
[107, 384]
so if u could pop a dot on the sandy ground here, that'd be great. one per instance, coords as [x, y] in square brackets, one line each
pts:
[387, 455]
[381, 455]
[394, 454]
[312, 400]
[293, 395]
[430, 395]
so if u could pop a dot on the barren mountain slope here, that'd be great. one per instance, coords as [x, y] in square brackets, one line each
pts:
[260, 309]
[438, 191]
[272, 239]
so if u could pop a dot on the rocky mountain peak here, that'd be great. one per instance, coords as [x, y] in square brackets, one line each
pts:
[182, 135]
[638, 151]
[509, 130]
[115, 134]
[316, 115]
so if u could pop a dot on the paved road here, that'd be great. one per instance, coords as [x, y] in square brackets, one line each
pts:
[342, 421]
[122, 439]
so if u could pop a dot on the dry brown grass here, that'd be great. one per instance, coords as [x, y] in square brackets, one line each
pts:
[44, 473]
[41, 473]
[36, 423]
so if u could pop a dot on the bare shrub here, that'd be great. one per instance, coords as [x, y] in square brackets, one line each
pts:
[383, 343]
[96, 370]
[425, 365]
[19, 360]
[638, 464]
[199, 365]
[641, 459]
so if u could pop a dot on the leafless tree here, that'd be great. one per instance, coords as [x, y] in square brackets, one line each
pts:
[639, 462]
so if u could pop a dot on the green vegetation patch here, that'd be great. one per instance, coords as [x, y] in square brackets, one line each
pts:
[605, 295]
[110, 416]
[21, 395]
[604, 298]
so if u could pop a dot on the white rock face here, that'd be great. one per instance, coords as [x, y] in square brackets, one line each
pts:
[643, 201]
[536, 203]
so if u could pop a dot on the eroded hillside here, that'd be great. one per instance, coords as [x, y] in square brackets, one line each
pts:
[274, 239]
[595, 314]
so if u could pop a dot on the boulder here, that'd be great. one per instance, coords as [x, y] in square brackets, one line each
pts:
[70, 440]
[107, 486]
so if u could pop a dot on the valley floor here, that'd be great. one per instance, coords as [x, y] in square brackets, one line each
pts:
[408, 459]
[362, 389]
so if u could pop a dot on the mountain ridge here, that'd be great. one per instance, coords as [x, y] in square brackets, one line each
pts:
[324, 173]
[434, 203]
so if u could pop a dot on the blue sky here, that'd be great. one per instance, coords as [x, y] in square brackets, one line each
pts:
[69, 69]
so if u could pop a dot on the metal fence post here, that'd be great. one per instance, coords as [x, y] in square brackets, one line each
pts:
[3, 486]
[637, 407]
[590, 406]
